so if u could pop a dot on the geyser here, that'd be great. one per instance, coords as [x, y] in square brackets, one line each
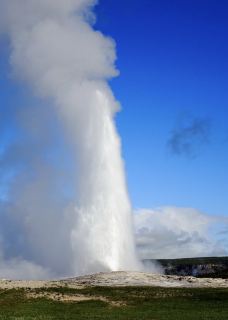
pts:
[66, 62]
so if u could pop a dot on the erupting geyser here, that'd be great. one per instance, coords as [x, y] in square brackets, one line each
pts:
[58, 53]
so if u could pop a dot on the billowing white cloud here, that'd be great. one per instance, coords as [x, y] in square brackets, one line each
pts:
[172, 232]
[77, 218]
[22, 270]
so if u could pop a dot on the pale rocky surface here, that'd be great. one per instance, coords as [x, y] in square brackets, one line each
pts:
[121, 278]
[116, 279]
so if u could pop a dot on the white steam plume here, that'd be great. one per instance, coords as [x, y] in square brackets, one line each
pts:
[65, 61]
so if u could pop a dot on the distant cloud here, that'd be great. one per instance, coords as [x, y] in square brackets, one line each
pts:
[189, 135]
[172, 232]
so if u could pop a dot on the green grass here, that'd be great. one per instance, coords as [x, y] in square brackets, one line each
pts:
[139, 303]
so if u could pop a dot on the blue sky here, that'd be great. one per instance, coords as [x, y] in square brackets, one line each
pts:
[172, 57]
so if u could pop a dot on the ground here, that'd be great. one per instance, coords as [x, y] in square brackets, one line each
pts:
[116, 295]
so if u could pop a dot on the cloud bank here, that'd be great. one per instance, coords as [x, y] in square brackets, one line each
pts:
[172, 232]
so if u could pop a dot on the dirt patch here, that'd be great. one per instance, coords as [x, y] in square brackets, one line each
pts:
[71, 298]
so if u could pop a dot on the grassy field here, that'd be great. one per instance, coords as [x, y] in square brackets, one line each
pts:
[119, 303]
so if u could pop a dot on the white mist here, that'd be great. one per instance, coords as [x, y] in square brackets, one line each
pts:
[65, 61]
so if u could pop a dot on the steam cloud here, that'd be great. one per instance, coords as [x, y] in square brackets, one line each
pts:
[66, 63]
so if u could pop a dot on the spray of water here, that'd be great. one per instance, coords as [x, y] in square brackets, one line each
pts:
[55, 50]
